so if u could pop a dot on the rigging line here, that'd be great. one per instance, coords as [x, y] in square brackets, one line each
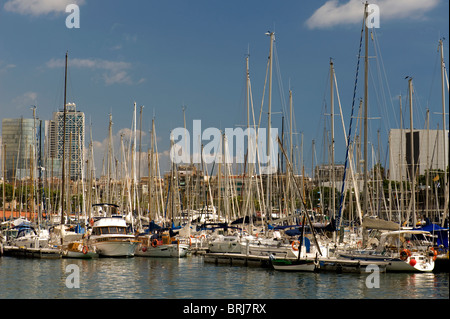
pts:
[324, 108]
[385, 75]
[446, 77]
[258, 187]
[380, 95]
[264, 91]
[437, 60]
[420, 116]
[280, 82]
[380, 103]
[338, 218]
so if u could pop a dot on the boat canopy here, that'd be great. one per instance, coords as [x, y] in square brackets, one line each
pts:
[440, 232]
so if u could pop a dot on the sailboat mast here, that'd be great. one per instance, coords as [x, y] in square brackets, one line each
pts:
[269, 206]
[413, 168]
[366, 77]
[63, 186]
[333, 189]
[445, 184]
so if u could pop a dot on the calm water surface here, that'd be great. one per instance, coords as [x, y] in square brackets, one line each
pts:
[158, 278]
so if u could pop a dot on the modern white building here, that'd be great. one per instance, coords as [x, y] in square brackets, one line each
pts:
[74, 139]
[430, 151]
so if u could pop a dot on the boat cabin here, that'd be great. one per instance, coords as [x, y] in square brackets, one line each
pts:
[109, 230]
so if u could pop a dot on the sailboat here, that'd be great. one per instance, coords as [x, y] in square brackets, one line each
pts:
[162, 243]
[159, 241]
[402, 250]
[298, 264]
[80, 249]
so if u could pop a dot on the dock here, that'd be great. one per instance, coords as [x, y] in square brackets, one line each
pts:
[325, 264]
[350, 266]
[237, 259]
[45, 253]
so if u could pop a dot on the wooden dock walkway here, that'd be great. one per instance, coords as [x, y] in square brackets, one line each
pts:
[325, 264]
[47, 253]
[237, 259]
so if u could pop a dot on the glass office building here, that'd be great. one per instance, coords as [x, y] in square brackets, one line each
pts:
[19, 138]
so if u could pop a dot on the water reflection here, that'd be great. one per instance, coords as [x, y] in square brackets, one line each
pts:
[159, 278]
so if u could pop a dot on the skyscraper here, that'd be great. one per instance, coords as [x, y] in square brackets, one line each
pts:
[74, 143]
[19, 137]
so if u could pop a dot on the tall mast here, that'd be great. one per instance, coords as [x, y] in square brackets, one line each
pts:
[333, 189]
[413, 168]
[63, 186]
[269, 163]
[401, 161]
[249, 142]
[140, 142]
[427, 175]
[446, 185]
[291, 144]
[366, 64]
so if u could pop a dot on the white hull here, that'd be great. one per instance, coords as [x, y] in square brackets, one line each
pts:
[308, 267]
[116, 248]
[79, 255]
[169, 250]
[79, 250]
[422, 263]
[110, 239]
[224, 247]
[278, 251]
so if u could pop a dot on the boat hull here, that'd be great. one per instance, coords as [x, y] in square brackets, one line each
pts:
[116, 248]
[169, 250]
[394, 264]
[80, 255]
[294, 265]
[278, 251]
[225, 247]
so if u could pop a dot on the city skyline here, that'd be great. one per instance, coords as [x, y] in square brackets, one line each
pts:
[175, 56]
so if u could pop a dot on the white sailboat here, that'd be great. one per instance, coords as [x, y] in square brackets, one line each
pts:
[161, 244]
[403, 250]
[80, 249]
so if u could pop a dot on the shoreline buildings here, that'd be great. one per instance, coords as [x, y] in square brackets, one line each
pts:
[430, 151]
[38, 145]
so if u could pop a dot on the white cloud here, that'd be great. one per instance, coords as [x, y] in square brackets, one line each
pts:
[4, 68]
[25, 100]
[114, 71]
[333, 13]
[39, 7]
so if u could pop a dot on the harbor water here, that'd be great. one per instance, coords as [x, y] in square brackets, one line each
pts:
[191, 278]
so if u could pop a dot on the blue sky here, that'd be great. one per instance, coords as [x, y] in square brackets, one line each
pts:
[166, 54]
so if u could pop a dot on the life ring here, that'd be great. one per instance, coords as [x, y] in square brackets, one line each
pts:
[154, 243]
[316, 261]
[404, 254]
[293, 245]
[85, 250]
[144, 248]
[359, 244]
[433, 253]
[190, 241]
[91, 221]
